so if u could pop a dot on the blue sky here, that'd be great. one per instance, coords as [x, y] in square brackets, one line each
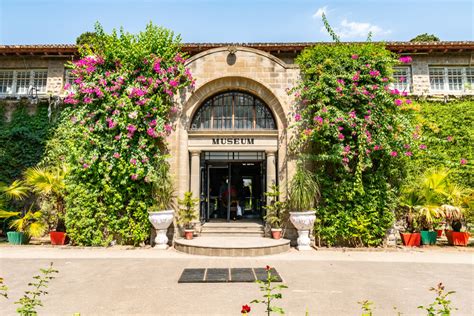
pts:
[61, 21]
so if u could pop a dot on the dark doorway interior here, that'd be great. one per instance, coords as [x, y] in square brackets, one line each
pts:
[234, 190]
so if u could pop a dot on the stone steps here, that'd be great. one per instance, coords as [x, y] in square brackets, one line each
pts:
[233, 229]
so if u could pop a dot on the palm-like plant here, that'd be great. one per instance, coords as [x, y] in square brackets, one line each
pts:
[304, 190]
[50, 186]
[32, 223]
[17, 190]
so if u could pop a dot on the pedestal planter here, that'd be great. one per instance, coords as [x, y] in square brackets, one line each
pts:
[276, 233]
[17, 238]
[304, 222]
[411, 239]
[57, 238]
[161, 221]
[428, 237]
[457, 238]
[188, 234]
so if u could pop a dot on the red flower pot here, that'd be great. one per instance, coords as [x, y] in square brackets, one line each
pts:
[457, 238]
[188, 234]
[57, 238]
[439, 233]
[411, 239]
[276, 233]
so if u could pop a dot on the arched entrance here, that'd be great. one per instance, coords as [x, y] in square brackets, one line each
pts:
[233, 138]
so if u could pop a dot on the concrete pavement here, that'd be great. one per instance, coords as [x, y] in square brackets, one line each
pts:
[122, 281]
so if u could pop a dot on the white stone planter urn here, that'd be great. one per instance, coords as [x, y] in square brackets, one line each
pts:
[161, 221]
[304, 222]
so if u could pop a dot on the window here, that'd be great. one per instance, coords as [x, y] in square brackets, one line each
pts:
[233, 110]
[69, 78]
[402, 78]
[6, 81]
[20, 82]
[451, 78]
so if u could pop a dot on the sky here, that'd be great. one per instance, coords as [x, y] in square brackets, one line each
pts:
[61, 21]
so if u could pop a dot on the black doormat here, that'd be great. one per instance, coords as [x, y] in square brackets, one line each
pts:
[224, 275]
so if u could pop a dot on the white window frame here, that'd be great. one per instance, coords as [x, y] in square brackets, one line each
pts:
[446, 77]
[31, 79]
[407, 83]
[68, 78]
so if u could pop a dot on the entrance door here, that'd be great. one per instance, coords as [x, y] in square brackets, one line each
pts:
[234, 190]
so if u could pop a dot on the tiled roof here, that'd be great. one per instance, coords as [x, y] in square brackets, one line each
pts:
[194, 48]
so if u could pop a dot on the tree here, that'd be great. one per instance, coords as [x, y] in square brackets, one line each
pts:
[425, 37]
[86, 38]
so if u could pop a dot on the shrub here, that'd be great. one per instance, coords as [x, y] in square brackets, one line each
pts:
[113, 134]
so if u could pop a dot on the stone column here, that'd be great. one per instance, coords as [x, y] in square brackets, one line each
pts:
[271, 169]
[195, 173]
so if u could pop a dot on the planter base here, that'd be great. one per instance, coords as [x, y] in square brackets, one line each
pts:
[411, 240]
[457, 238]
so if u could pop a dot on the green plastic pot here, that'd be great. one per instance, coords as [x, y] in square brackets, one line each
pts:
[428, 237]
[17, 238]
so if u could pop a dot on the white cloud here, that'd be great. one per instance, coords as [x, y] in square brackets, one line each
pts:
[348, 29]
[320, 12]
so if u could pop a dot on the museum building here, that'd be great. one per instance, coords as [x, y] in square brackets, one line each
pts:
[233, 127]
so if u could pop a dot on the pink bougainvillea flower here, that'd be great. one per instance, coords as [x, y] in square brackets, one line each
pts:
[406, 146]
[85, 166]
[408, 153]
[117, 137]
[374, 73]
[152, 123]
[168, 128]
[87, 100]
[345, 160]
[408, 101]
[377, 147]
[340, 136]
[352, 114]
[402, 79]
[416, 136]
[405, 59]
[297, 117]
[404, 94]
[338, 89]
[449, 138]
[393, 154]
[157, 66]
[133, 161]
[340, 128]
[151, 132]
[422, 146]
[131, 128]
[116, 155]
[355, 56]
[463, 161]
[318, 119]
[398, 102]
[173, 83]
[134, 177]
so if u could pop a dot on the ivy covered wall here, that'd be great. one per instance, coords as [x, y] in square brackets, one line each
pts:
[24, 129]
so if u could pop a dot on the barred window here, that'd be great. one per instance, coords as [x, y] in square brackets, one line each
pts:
[455, 79]
[6, 81]
[233, 110]
[437, 78]
[402, 78]
[470, 77]
[22, 82]
[40, 80]
[68, 77]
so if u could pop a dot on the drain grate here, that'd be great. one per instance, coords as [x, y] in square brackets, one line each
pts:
[224, 275]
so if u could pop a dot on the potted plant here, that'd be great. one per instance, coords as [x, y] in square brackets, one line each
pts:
[410, 201]
[50, 187]
[187, 214]
[274, 216]
[428, 218]
[303, 195]
[15, 191]
[455, 218]
[161, 213]
[28, 224]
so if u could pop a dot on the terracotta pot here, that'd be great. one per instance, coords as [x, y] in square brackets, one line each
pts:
[411, 239]
[457, 238]
[188, 234]
[57, 238]
[276, 233]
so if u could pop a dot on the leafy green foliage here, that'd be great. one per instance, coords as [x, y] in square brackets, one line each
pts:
[88, 38]
[447, 131]
[112, 136]
[31, 299]
[22, 139]
[275, 208]
[425, 37]
[358, 134]
[442, 303]
[270, 293]
[187, 210]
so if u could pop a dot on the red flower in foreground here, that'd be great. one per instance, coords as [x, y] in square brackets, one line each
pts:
[267, 268]
[245, 309]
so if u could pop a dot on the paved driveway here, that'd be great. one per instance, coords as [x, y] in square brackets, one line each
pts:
[144, 281]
